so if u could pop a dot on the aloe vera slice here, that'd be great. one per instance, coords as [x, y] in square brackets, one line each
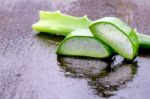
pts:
[121, 38]
[58, 23]
[82, 43]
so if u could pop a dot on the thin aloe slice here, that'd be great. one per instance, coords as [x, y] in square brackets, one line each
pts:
[82, 43]
[58, 23]
[121, 38]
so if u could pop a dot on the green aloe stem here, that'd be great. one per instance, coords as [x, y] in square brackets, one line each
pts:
[144, 40]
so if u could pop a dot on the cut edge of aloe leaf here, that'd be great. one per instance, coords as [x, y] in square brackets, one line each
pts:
[58, 23]
[121, 38]
[82, 43]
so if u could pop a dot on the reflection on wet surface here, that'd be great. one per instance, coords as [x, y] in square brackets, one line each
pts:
[102, 77]
[30, 68]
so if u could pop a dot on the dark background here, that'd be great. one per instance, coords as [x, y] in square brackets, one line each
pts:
[30, 68]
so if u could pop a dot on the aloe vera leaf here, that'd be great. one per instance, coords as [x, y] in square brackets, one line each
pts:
[121, 38]
[82, 43]
[58, 23]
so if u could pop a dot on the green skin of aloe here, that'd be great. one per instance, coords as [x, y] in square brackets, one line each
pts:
[61, 24]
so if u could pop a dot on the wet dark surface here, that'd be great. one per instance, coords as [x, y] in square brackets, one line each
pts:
[30, 68]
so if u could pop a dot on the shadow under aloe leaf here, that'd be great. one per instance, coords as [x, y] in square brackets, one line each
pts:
[47, 36]
[144, 52]
[102, 76]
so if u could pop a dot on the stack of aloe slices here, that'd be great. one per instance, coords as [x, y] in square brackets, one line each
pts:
[88, 38]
